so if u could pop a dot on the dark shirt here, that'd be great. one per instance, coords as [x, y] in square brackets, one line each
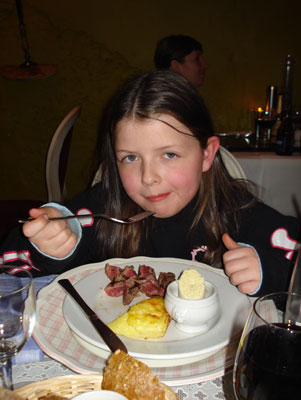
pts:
[272, 234]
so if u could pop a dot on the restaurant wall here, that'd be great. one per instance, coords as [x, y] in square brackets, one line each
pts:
[97, 44]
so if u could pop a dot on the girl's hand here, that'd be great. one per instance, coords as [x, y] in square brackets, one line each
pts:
[51, 237]
[241, 265]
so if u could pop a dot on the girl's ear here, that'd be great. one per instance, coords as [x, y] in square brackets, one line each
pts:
[209, 152]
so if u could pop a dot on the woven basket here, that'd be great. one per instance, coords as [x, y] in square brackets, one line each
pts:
[67, 386]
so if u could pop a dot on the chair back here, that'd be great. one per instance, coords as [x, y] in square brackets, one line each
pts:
[57, 157]
[231, 164]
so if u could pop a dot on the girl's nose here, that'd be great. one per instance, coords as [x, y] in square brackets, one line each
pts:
[150, 175]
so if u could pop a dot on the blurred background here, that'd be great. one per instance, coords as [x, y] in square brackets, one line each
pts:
[97, 44]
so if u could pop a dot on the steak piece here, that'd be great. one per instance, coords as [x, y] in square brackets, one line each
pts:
[129, 293]
[115, 289]
[129, 272]
[147, 278]
[112, 271]
[145, 270]
[152, 289]
[165, 278]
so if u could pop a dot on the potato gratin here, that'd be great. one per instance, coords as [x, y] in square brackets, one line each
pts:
[145, 320]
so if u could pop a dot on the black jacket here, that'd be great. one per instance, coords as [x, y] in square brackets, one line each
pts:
[272, 234]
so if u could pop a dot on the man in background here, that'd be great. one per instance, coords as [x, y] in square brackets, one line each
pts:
[182, 54]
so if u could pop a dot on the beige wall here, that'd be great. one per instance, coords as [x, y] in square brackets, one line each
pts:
[98, 44]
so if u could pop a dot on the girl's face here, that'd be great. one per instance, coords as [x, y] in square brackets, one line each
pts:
[160, 168]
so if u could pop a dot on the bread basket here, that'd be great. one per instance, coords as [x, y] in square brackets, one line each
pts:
[69, 386]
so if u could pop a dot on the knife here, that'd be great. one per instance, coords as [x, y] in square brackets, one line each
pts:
[109, 337]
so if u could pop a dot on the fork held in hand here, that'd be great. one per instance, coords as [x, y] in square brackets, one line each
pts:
[131, 220]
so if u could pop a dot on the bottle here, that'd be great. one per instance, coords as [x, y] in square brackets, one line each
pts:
[285, 133]
[270, 107]
[269, 117]
[288, 84]
[277, 123]
[285, 136]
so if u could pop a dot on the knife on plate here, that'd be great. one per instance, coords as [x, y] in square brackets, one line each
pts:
[109, 337]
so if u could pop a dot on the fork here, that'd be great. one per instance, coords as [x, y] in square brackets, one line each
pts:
[130, 220]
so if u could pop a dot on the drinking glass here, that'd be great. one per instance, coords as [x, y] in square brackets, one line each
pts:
[268, 359]
[17, 316]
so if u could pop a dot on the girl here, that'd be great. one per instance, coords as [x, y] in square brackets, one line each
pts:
[159, 153]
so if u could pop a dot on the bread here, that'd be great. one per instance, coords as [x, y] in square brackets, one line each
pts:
[135, 380]
[146, 320]
[6, 394]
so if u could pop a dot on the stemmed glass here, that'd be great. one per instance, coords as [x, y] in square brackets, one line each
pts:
[268, 360]
[17, 316]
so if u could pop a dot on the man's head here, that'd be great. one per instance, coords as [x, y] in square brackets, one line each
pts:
[182, 54]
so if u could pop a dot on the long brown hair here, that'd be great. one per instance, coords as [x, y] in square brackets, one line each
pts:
[220, 196]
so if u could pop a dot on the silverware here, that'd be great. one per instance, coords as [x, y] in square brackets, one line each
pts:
[131, 220]
[109, 337]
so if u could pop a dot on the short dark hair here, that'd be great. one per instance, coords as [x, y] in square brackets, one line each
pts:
[174, 47]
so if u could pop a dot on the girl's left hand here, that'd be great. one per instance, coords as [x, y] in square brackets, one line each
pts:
[241, 265]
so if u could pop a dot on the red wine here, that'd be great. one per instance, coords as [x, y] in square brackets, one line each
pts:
[269, 366]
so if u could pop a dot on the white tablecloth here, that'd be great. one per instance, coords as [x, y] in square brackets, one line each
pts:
[278, 178]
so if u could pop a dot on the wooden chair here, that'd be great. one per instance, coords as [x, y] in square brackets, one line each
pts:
[57, 157]
[231, 164]
[55, 171]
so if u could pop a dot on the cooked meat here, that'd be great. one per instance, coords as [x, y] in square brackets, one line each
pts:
[127, 283]
[165, 278]
[129, 272]
[112, 271]
[115, 289]
[145, 270]
[152, 290]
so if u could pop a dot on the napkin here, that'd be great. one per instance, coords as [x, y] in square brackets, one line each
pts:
[31, 352]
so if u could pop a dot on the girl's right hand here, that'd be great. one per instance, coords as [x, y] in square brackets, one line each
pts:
[53, 238]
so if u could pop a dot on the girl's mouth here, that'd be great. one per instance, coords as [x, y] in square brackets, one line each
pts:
[158, 197]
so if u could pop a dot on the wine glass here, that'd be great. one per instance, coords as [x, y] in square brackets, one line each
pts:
[17, 316]
[268, 359]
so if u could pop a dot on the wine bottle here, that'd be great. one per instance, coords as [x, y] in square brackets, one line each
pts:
[285, 136]
[288, 84]
[285, 133]
[277, 123]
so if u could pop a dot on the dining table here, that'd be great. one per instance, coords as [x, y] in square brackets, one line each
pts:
[34, 363]
[278, 178]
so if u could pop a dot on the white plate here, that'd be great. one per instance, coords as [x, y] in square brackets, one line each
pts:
[175, 348]
[100, 395]
[54, 337]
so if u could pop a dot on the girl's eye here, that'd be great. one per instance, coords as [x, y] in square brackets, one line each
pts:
[170, 155]
[129, 158]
